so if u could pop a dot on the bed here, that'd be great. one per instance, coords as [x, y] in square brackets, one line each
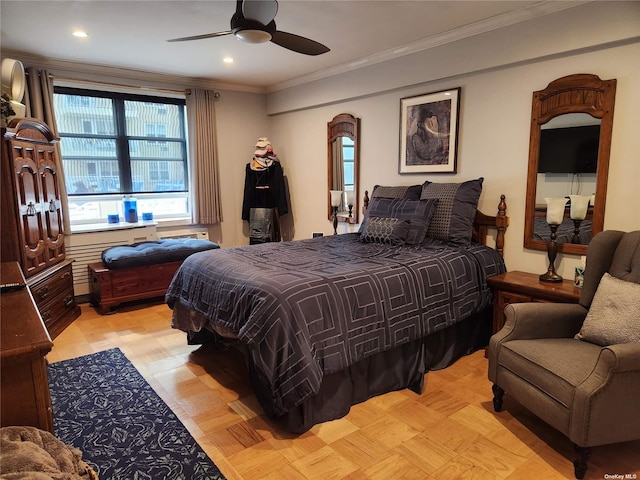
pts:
[329, 322]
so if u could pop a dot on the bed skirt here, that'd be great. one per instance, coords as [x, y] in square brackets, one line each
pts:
[396, 369]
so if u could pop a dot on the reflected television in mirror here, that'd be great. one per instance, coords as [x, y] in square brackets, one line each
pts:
[569, 149]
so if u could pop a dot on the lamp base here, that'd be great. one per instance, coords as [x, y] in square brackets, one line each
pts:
[552, 250]
[551, 277]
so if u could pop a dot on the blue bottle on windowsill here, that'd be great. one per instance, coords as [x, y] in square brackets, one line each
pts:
[130, 209]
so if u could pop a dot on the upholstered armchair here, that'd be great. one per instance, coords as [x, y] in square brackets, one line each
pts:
[577, 366]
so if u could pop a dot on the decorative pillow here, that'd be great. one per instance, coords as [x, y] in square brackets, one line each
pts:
[390, 231]
[418, 213]
[410, 192]
[453, 219]
[614, 315]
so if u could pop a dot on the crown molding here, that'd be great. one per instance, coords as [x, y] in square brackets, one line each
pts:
[494, 23]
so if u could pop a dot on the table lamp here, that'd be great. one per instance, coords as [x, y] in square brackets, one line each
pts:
[555, 215]
[336, 199]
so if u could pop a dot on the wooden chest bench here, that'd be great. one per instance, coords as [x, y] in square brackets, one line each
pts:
[138, 272]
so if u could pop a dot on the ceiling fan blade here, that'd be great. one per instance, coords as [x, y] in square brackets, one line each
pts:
[298, 44]
[262, 11]
[200, 37]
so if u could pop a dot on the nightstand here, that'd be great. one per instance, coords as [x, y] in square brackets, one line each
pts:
[519, 287]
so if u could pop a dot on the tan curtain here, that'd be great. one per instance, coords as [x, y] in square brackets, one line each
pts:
[205, 178]
[38, 98]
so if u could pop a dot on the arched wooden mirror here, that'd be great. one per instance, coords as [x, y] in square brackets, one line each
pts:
[570, 141]
[343, 145]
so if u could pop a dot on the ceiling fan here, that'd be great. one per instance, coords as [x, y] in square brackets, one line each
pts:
[254, 22]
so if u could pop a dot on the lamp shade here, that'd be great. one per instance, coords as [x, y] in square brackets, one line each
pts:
[555, 209]
[336, 197]
[579, 205]
[13, 79]
[349, 194]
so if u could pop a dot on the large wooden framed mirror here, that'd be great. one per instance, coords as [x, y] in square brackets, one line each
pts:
[343, 146]
[570, 142]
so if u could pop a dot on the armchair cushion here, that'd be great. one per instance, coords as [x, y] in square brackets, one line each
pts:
[614, 316]
[555, 366]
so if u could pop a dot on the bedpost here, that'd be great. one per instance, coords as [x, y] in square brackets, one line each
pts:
[502, 221]
[365, 202]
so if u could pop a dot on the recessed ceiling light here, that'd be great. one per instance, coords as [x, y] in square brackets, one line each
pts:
[227, 60]
[80, 34]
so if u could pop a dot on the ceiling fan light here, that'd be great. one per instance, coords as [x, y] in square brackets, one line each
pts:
[253, 36]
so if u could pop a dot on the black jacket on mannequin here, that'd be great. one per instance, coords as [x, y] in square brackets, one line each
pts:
[264, 189]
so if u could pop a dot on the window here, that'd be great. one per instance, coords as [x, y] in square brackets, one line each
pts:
[110, 148]
[348, 155]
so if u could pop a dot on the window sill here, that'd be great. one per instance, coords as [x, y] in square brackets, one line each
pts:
[105, 227]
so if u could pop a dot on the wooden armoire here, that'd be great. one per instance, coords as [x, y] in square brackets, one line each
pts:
[32, 228]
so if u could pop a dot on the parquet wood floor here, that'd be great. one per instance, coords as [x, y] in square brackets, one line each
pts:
[448, 432]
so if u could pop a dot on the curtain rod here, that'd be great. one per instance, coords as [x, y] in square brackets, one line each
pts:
[114, 84]
[186, 91]
[216, 95]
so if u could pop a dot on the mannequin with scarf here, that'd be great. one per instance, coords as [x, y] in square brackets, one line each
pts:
[264, 194]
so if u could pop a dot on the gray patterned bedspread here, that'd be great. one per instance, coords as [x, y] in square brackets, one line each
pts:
[312, 307]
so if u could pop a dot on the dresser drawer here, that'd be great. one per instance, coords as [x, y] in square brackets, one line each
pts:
[52, 291]
[46, 289]
[56, 308]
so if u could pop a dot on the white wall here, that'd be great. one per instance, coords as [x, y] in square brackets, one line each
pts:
[493, 135]
[240, 120]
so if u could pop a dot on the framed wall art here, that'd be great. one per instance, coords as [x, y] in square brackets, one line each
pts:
[429, 132]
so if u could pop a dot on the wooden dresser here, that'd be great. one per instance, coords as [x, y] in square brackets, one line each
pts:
[519, 287]
[32, 228]
[24, 385]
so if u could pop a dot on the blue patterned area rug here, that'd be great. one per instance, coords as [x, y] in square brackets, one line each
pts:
[104, 407]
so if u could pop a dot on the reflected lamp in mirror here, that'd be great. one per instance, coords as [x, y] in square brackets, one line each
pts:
[578, 212]
[555, 215]
[349, 198]
[336, 201]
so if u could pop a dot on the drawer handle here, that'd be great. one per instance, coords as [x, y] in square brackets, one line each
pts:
[31, 210]
[68, 300]
[43, 293]
[66, 275]
[46, 316]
